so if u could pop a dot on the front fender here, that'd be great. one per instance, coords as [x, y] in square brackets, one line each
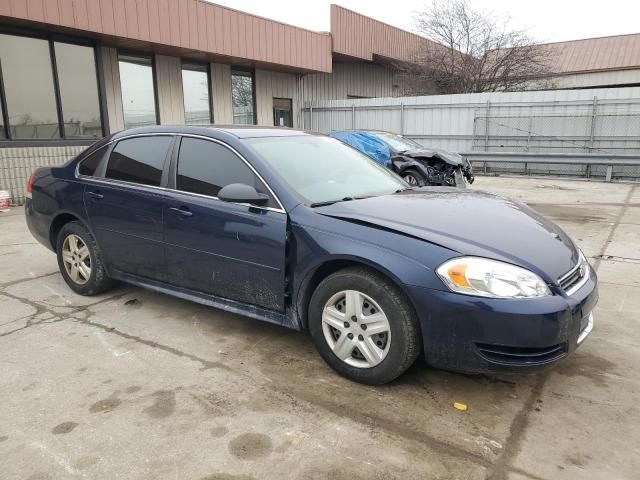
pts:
[401, 164]
[319, 240]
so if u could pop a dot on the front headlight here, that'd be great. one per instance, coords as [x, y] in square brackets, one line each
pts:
[490, 278]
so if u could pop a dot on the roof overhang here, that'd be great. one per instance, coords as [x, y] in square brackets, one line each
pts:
[188, 28]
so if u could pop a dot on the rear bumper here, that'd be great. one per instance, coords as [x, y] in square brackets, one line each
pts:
[37, 223]
[478, 335]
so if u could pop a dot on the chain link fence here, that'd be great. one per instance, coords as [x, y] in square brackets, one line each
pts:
[593, 128]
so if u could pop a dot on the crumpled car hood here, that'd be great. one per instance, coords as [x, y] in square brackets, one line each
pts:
[470, 223]
[451, 158]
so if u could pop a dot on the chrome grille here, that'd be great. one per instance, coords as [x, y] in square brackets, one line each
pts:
[575, 277]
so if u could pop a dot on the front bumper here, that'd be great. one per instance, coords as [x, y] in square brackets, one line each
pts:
[477, 335]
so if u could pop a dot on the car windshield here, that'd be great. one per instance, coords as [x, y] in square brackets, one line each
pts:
[397, 142]
[323, 170]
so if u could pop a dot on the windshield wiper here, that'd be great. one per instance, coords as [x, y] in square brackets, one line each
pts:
[331, 202]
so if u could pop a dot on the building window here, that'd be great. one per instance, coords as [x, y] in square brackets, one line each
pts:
[37, 87]
[28, 86]
[78, 91]
[195, 90]
[243, 98]
[138, 91]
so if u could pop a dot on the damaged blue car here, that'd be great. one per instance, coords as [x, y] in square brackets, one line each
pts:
[418, 165]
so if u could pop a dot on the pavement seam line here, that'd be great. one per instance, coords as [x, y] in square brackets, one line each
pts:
[614, 227]
[520, 423]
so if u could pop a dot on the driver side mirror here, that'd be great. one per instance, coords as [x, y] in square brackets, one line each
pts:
[241, 193]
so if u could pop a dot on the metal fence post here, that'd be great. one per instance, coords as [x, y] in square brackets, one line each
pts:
[486, 127]
[609, 172]
[475, 126]
[311, 118]
[594, 117]
[401, 118]
[353, 116]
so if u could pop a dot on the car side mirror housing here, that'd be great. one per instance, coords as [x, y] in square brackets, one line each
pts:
[241, 193]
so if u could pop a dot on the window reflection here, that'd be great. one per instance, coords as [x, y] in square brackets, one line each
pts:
[138, 93]
[243, 98]
[28, 85]
[195, 88]
[78, 91]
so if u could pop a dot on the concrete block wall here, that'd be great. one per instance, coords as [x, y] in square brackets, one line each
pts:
[17, 164]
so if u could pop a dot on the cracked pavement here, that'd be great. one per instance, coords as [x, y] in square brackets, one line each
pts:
[134, 384]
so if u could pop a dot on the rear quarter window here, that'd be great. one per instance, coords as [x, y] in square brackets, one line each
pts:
[89, 165]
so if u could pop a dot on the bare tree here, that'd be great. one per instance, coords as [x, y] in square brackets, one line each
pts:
[473, 51]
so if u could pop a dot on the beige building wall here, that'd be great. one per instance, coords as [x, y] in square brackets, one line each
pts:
[270, 85]
[221, 93]
[347, 80]
[351, 80]
[169, 89]
[616, 78]
[113, 94]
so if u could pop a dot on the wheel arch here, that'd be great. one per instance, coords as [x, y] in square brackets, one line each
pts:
[401, 165]
[330, 266]
[59, 221]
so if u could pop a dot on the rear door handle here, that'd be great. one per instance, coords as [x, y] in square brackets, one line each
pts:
[96, 195]
[183, 212]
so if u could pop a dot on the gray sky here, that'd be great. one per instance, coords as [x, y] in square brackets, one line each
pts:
[546, 20]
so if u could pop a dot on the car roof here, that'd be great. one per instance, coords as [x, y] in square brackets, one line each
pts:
[238, 131]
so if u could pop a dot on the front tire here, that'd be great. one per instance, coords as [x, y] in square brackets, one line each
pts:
[414, 178]
[80, 261]
[363, 326]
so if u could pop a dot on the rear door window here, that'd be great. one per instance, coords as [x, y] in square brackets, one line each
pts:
[89, 165]
[139, 160]
[204, 167]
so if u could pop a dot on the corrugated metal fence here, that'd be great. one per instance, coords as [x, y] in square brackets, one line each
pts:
[548, 126]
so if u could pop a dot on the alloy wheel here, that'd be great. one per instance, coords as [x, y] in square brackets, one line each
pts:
[411, 180]
[356, 329]
[77, 259]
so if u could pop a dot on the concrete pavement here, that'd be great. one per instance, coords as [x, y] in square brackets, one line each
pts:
[137, 385]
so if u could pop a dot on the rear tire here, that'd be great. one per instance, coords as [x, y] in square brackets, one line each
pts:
[383, 340]
[80, 261]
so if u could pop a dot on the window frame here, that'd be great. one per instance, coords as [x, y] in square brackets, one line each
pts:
[152, 58]
[245, 73]
[207, 67]
[164, 174]
[173, 174]
[51, 39]
[101, 171]
[105, 155]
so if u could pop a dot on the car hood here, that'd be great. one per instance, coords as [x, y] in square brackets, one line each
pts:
[448, 157]
[470, 223]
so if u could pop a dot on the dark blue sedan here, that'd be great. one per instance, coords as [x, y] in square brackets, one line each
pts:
[306, 232]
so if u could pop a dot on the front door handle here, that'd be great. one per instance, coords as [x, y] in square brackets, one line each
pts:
[96, 195]
[183, 212]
